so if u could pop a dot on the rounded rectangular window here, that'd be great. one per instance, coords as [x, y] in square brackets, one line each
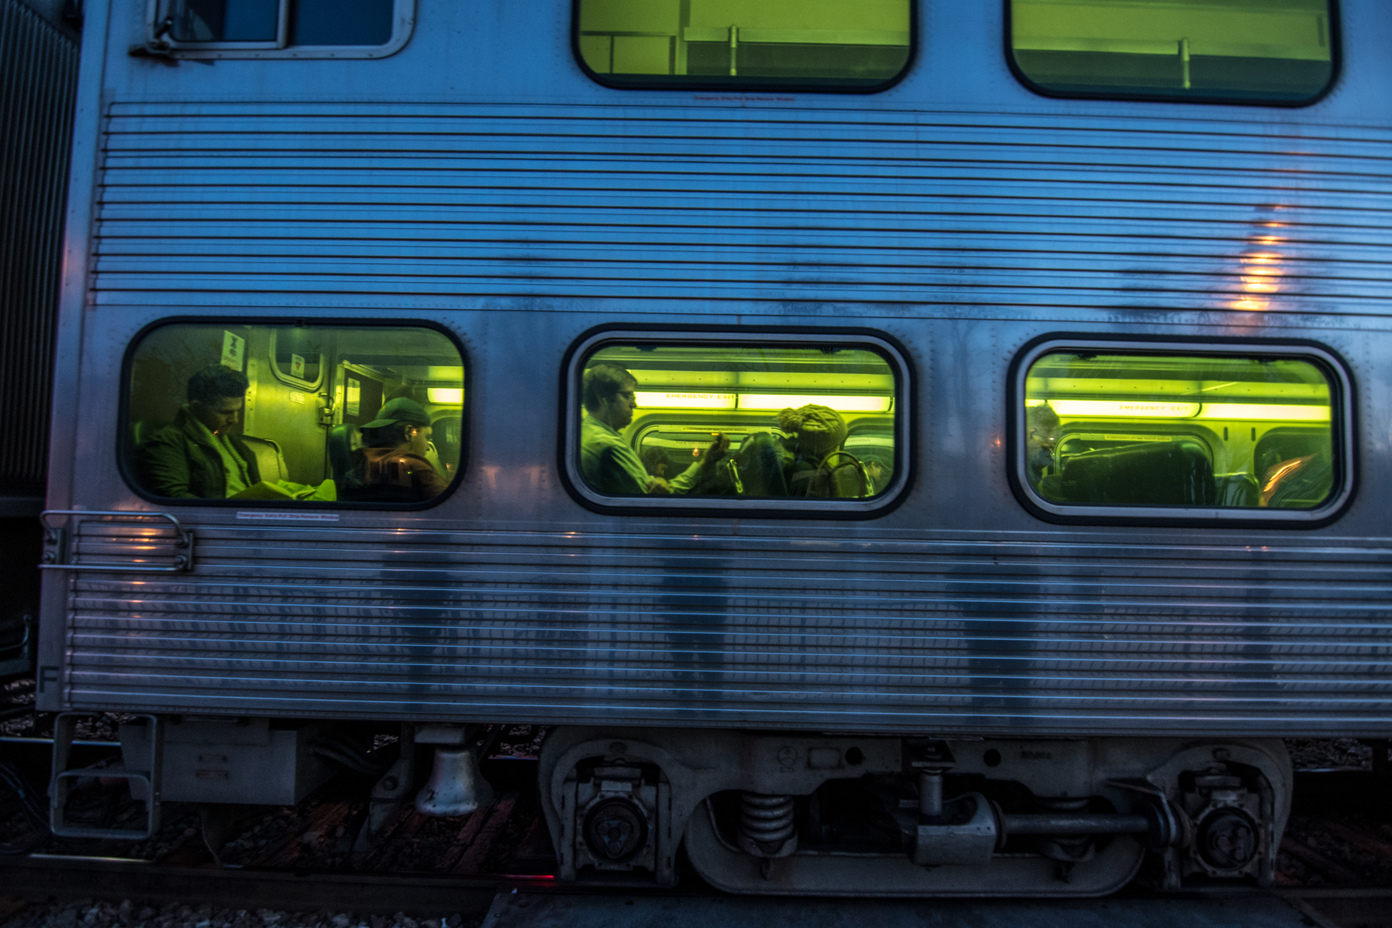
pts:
[1238, 51]
[1113, 427]
[301, 415]
[293, 28]
[808, 44]
[697, 421]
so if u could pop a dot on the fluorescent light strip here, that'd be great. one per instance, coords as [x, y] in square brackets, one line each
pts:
[446, 396]
[758, 401]
[1125, 409]
[778, 401]
[1139, 409]
[1265, 411]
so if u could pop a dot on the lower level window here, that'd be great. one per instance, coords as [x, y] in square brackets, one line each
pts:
[1114, 428]
[219, 412]
[703, 423]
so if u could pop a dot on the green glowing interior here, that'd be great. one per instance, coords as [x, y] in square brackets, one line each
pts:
[745, 41]
[1243, 50]
[1179, 430]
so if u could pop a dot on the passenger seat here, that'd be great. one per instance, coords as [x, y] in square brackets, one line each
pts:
[269, 459]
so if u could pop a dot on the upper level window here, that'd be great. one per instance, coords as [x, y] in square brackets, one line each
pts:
[792, 422]
[252, 28]
[1219, 435]
[816, 44]
[1241, 51]
[368, 414]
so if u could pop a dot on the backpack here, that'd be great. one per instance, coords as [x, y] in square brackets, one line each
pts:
[840, 475]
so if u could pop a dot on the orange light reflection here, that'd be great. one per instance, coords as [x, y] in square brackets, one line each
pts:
[1261, 276]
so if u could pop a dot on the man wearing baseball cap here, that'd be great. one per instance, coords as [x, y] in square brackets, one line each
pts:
[392, 463]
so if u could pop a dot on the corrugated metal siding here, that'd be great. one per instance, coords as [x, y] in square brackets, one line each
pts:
[38, 80]
[315, 204]
[929, 216]
[949, 636]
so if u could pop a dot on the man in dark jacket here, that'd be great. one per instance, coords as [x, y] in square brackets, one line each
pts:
[198, 457]
[394, 461]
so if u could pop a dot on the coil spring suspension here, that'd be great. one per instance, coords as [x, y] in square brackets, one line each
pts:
[766, 826]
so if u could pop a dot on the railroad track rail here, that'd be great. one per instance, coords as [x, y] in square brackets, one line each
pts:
[43, 877]
[522, 901]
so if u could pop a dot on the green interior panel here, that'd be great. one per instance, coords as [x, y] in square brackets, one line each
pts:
[1272, 51]
[833, 43]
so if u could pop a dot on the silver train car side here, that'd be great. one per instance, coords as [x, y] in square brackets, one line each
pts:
[902, 448]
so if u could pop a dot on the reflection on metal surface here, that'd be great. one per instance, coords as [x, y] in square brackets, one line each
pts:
[1261, 280]
[1262, 269]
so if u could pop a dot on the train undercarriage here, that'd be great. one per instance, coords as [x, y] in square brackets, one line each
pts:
[779, 813]
[877, 816]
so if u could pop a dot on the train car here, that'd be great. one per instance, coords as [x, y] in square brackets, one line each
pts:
[902, 447]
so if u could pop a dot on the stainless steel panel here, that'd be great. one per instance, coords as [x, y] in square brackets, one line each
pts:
[957, 214]
[748, 631]
[1091, 211]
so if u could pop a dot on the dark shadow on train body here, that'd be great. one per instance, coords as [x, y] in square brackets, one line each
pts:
[694, 600]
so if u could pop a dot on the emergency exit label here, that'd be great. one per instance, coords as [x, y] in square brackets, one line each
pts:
[233, 350]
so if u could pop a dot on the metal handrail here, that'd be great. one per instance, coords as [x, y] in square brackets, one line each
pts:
[53, 536]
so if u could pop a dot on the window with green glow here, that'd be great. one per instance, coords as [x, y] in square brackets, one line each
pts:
[1167, 430]
[1254, 51]
[301, 415]
[736, 422]
[829, 44]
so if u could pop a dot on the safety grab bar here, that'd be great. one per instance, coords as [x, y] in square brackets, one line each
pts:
[55, 541]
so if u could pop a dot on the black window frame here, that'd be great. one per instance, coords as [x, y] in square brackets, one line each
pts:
[125, 450]
[159, 41]
[649, 82]
[1335, 74]
[568, 445]
[1341, 422]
